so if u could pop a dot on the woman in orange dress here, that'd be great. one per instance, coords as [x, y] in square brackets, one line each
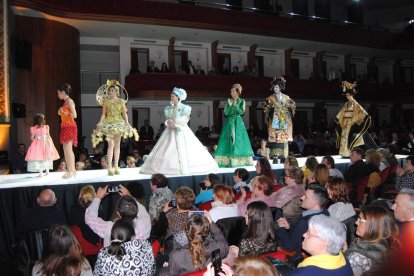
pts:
[68, 128]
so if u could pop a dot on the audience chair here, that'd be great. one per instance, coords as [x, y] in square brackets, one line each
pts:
[205, 206]
[87, 247]
[232, 229]
[350, 228]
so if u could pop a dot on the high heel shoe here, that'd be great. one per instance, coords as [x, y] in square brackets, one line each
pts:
[117, 171]
[70, 175]
[111, 171]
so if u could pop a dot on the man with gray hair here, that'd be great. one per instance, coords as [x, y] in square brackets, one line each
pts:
[404, 206]
[40, 217]
[324, 240]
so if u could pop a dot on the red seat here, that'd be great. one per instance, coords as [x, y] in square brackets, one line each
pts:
[205, 206]
[360, 190]
[393, 169]
[155, 247]
[277, 187]
[87, 247]
[277, 255]
[384, 174]
[248, 195]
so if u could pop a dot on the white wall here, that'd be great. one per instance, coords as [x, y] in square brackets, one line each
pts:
[360, 66]
[198, 55]
[238, 56]
[385, 70]
[273, 63]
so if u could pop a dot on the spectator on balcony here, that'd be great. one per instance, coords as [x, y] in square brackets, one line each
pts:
[200, 71]
[180, 70]
[254, 72]
[151, 68]
[245, 72]
[235, 71]
[164, 68]
[213, 71]
[146, 132]
[190, 68]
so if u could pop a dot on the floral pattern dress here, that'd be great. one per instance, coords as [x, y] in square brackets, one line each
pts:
[234, 148]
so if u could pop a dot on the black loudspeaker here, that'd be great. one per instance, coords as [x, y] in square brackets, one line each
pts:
[19, 110]
[23, 54]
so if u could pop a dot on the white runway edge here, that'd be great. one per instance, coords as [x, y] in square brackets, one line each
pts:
[101, 176]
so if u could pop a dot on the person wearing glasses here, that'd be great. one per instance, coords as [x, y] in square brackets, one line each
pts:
[323, 241]
[377, 239]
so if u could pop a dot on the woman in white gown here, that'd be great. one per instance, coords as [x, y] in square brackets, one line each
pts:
[178, 151]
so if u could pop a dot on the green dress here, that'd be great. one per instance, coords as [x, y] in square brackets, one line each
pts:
[234, 148]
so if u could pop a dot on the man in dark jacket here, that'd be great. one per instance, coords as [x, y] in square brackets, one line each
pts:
[357, 171]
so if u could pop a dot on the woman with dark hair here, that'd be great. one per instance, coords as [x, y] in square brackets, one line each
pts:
[224, 205]
[203, 237]
[62, 256]
[206, 192]
[263, 167]
[68, 128]
[234, 148]
[259, 237]
[125, 255]
[338, 193]
[262, 189]
[160, 195]
[377, 240]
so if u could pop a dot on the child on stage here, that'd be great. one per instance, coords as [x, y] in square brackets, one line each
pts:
[42, 152]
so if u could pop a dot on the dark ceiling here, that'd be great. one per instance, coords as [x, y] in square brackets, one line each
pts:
[377, 4]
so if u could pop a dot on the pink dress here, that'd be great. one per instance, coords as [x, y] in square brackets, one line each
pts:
[42, 152]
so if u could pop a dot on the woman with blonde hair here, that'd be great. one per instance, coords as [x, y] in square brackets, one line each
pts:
[245, 266]
[131, 162]
[377, 240]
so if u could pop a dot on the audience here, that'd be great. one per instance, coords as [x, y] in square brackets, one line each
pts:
[131, 162]
[80, 166]
[403, 207]
[240, 178]
[224, 205]
[340, 209]
[245, 266]
[405, 176]
[41, 217]
[146, 132]
[309, 168]
[18, 163]
[62, 255]
[61, 166]
[323, 241]
[203, 237]
[330, 163]
[206, 192]
[377, 239]
[320, 176]
[263, 151]
[127, 207]
[104, 162]
[289, 197]
[392, 151]
[160, 195]
[262, 189]
[125, 255]
[290, 236]
[290, 161]
[263, 168]
[357, 170]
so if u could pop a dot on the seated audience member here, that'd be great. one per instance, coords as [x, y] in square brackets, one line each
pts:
[206, 192]
[245, 266]
[199, 71]
[131, 162]
[240, 177]
[139, 160]
[262, 189]
[77, 214]
[409, 146]
[104, 162]
[357, 170]
[404, 208]
[18, 163]
[137, 191]
[405, 176]
[127, 207]
[61, 166]
[300, 141]
[224, 205]
[41, 217]
[62, 255]
[263, 167]
[373, 160]
[320, 175]
[151, 68]
[173, 219]
[263, 151]
[259, 237]
[96, 159]
[203, 237]
[125, 255]
[340, 209]
[164, 68]
[289, 197]
[383, 153]
[290, 161]
[146, 132]
[79, 166]
[377, 240]
[88, 164]
[392, 151]
[290, 236]
[330, 163]
[309, 168]
[323, 241]
[160, 195]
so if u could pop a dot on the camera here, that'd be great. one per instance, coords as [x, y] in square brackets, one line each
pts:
[113, 189]
[172, 203]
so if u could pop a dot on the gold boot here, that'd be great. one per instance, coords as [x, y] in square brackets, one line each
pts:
[111, 171]
[117, 171]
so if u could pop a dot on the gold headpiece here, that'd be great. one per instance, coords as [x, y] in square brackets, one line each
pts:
[102, 93]
[348, 86]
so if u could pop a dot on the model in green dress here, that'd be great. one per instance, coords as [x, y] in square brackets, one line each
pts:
[234, 148]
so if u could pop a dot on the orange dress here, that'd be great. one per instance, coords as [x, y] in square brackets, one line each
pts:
[68, 127]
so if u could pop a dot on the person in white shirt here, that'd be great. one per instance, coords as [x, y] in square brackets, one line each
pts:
[330, 163]
[224, 204]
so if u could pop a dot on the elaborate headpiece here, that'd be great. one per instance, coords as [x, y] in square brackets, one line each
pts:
[238, 88]
[348, 87]
[279, 81]
[102, 93]
[181, 93]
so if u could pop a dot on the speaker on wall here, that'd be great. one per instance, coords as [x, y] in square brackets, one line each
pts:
[19, 110]
[23, 54]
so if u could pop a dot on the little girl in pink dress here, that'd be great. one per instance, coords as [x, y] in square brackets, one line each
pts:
[42, 152]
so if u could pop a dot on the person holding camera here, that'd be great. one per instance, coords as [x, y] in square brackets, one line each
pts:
[127, 207]
[234, 148]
